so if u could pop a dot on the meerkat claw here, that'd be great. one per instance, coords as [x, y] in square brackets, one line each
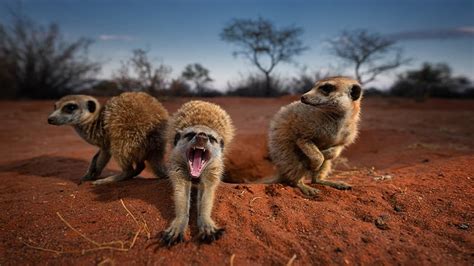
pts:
[169, 238]
[209, 237]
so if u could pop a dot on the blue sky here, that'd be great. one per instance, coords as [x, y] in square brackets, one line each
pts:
[187, 31]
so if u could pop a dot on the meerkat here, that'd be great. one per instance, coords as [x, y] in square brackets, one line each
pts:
[199, 133]
[306, 135]
[130, 127]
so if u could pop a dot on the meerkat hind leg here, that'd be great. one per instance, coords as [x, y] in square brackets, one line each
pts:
[140, 166]
[127, 172]
[182, 197]
[155, 161]
[98, 163]
[208, 230]
[322, 173]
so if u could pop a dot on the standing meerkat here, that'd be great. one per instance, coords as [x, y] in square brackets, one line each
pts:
[130, 127]
[200, 133]
[306, 135]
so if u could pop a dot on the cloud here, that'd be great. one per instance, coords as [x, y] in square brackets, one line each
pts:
[435, 34]
[113, 37]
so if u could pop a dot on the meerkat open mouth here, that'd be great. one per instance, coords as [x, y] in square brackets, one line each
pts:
[198, 157]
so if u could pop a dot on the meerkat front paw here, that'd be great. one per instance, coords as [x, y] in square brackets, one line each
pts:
[172, 236]
[210, 233]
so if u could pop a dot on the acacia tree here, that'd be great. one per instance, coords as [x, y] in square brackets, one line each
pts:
[264, 45]
[370, 53]
[197, 74]
[139, 74]
[39, 63]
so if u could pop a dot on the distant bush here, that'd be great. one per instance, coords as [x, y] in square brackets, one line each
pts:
[178, 88]
[103, 88]
[256, 86]
[208, 92]
[431, 80]
[36, 62]
[374, 92]
[306, 80]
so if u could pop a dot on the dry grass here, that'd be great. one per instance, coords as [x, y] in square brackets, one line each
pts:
[117, 245]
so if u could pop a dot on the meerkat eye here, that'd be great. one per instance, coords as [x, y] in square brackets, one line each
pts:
[190, 135]
[69, 108]
[327, 88]
[212, 139]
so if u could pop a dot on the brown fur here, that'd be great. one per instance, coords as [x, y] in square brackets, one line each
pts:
[130, 127]
[305, 137]
[193, 119]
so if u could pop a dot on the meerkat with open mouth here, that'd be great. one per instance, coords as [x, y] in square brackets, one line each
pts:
[200, 133]
[306, 135]
[130, 127]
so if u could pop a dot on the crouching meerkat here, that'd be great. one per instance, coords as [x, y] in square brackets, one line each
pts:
[306, 135]
[130, 127]
[200, 133]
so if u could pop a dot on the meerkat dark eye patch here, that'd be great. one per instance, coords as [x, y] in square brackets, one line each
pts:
[176, 139]
[190, 135]
[327, 88]
[356, 91]
[69, 108]
[91, 106]
[222, 145]
[212, 139]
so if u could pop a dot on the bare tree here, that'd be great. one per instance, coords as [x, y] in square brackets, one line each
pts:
[197, 74]
[263, 44]
[39, 63]
[371, 53]
[139, 74]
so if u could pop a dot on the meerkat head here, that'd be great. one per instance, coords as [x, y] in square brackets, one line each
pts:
[74, 110]
[335, 92]
[198, 146]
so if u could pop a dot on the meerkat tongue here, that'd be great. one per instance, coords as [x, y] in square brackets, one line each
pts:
[197, 163]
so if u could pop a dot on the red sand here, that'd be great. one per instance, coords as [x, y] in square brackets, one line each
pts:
[412, 199]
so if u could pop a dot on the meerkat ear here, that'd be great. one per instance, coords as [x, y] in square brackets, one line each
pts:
[222, 144]
[176, 139]
[356, 91]
[91, 106]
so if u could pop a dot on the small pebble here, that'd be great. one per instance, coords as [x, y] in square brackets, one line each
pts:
[463, 226]
[380, 223]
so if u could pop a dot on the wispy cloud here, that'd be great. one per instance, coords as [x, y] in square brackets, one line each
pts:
[435, 34]
[114, 37]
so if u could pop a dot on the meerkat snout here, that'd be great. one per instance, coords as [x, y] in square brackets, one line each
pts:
[201, 138]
